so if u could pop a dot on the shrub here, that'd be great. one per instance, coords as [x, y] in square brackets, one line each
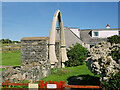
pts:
[116, 55]
[76, 55]
[113, 83]
[116, 52]
[114, 39]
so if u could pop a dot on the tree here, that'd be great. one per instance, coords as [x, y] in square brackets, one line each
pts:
[15, 41]
[114, 39]
[113, 83]
[6, 41]
[76, 55]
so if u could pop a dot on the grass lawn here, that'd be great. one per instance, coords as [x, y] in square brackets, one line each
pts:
[57, 74]
[2, 69]
[11, 58]
[64, 74]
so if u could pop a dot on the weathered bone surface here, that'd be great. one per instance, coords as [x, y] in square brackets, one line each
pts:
[52, 55]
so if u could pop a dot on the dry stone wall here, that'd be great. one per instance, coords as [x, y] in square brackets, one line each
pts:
[100, 60]
[34, 61]
[27, 71]
[34, 49]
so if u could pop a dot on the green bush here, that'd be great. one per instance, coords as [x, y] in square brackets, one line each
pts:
[114, 39]
[76, 55]
[116, 55]
[113, 83]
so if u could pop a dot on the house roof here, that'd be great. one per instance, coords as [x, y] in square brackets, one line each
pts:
[70, 37]
[67, 28]
[99, 29]
[86, 38]
[107, 25]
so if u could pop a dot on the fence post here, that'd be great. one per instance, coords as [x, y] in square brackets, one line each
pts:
[57, 85]
[42, 85]
[53, 82]
[33, 81]
[6, 81]
[49, 82]
[62, 85]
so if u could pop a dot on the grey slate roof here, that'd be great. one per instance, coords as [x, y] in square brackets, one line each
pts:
[70, 37]
[101, 29]
[86, 38]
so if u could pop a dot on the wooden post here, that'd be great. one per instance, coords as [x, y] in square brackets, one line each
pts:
[6, 82]
[62, 85]
[57, 86]
[46, 86]
[33, 81]
[42, 85]
[49, 82]
[53, 82]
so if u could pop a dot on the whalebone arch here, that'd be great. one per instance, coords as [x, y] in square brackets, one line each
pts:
[52, 55]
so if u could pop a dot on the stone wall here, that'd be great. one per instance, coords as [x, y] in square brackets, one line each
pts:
[57, 51]
[101, 62]
[34, 49]
[27, 71]
[34, 61]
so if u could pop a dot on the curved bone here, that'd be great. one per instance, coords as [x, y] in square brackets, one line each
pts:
[52, 55]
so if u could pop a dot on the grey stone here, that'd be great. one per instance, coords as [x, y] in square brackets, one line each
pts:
[100, 62]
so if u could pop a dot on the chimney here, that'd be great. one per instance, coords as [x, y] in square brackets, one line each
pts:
[107, 26]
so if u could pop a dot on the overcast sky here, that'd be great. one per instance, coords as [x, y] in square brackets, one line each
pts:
[34, 19]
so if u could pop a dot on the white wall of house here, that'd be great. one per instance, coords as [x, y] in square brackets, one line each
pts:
[75, 31]
[105, 33]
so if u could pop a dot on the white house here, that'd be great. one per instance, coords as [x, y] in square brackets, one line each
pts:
[104, 33]
[76, 31]
[87, 37]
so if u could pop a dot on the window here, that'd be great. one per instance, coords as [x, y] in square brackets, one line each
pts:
[95, 33]
[119, 32]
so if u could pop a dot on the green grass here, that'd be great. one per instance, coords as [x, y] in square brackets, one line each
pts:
[6, 44]
[2, 69]
[64, 74]
[11, 58]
